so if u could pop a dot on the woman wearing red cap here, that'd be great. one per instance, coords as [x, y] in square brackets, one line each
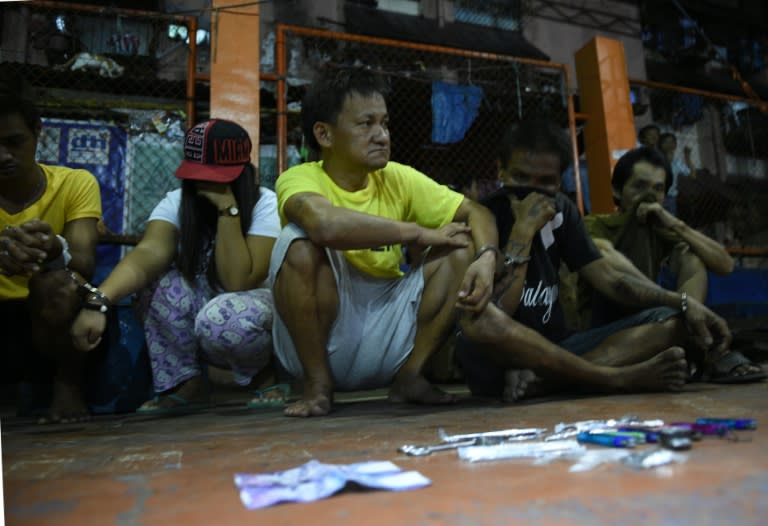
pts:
[199, 266]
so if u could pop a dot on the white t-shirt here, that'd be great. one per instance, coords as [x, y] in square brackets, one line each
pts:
[265, 221]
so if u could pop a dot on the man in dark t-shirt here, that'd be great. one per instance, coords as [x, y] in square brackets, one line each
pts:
[563, 239]
[520, 341]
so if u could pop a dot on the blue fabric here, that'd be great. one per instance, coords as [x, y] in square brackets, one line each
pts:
[122, 381]
[98, 147]
[741, 286]
[569, 184]
[454, 109]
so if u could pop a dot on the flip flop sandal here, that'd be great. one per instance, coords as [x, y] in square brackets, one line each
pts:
[721, 371]
[260, 401]
[182, 407]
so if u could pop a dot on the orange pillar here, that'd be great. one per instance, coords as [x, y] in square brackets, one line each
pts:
[235, 48]
[601, 70]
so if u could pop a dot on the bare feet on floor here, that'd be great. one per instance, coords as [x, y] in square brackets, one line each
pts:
[316, 400]
[417, 390]
[667, 371]
[520, 384]
[67, 405]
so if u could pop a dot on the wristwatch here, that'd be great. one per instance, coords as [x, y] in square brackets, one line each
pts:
[230, 211]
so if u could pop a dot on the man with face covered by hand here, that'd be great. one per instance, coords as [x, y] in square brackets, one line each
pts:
[641, 238]
[520, 344]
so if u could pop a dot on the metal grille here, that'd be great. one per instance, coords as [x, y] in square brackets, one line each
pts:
[448, 108]
[723, 186]
[114, 93]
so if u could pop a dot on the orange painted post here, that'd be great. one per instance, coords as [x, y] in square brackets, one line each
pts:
[235, 50]
[601, 70]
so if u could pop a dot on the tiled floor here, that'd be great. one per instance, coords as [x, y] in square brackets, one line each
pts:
[145, 471]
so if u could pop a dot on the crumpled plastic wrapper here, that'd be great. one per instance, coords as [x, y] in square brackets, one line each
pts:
[314, 481]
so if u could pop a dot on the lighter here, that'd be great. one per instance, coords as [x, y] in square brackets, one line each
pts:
[731, 423]
[606, 440]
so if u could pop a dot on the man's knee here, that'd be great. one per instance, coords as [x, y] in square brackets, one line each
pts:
[463, 256]
[685, 261]
[449, 266]
[53, 299]
[304, 257]
[305, 271]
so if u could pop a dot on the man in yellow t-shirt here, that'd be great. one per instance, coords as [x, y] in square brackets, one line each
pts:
[48, 235]
[348, 317]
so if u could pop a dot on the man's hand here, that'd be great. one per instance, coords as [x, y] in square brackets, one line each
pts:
[654, 213]
[533, 212]
[87, 329]
[24, 248]
[441, 240]
[477, 286]
[709, 330]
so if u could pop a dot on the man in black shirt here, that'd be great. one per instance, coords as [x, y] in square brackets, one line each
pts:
[522, 337]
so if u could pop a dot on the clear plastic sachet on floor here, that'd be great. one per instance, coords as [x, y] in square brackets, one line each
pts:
[314, 481]
[556, 448]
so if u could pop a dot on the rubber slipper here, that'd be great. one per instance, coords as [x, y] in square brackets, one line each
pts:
[721, 371]
[183, 406]
[260, 401]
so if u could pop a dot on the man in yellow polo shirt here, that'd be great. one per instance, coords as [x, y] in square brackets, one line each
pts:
[48, 235]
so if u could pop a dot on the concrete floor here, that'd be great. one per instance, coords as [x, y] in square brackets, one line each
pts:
[132, 470]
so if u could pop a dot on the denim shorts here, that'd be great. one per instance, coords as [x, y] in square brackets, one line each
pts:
[487, 379]
[583, 342]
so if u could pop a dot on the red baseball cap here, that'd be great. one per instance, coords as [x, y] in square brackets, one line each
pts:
[216, 150]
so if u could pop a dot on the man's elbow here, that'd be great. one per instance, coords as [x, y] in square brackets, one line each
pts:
[322, 234]
[724, 266]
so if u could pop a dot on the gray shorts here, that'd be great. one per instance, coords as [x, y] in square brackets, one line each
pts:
[374, 331]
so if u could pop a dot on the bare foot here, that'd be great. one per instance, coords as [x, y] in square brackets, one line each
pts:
[417, 390]
[667, 371]
[192, 391]
[519, 384]
[316, 400]
[67, 405]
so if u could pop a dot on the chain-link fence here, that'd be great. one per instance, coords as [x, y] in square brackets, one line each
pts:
[448, 108]
[114, 91]
[718, 149]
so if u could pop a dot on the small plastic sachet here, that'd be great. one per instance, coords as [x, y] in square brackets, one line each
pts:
[314, 481]
[520, 450]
